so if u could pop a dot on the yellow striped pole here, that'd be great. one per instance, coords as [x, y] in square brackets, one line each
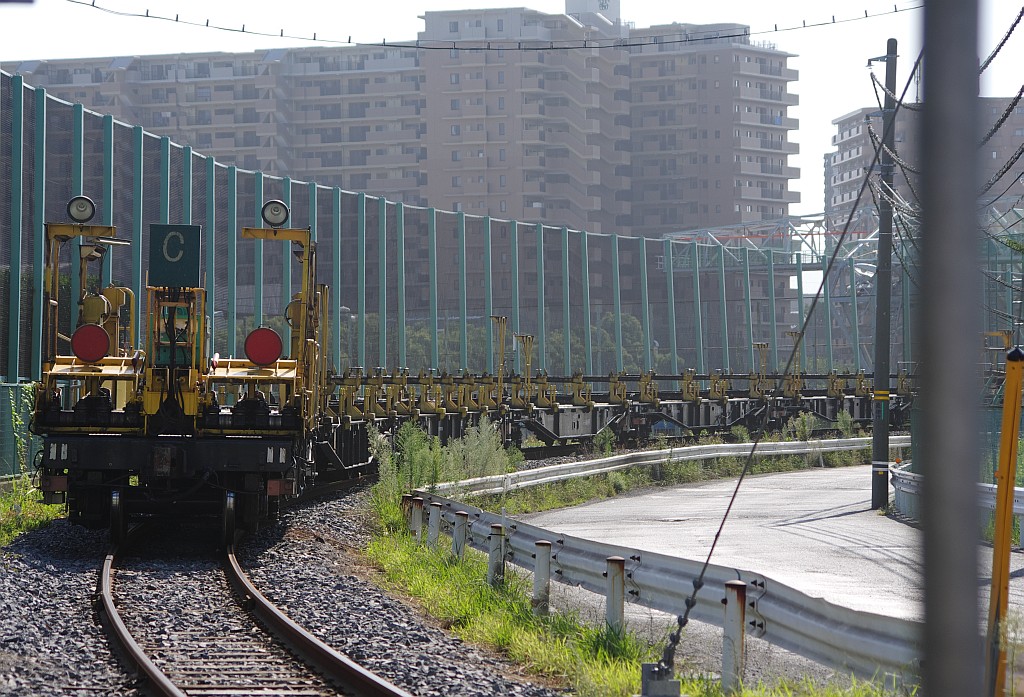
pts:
[1006, 476]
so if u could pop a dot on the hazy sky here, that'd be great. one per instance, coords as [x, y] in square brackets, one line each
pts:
[831, 60]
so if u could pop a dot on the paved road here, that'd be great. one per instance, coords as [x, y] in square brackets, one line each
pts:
[813, 530]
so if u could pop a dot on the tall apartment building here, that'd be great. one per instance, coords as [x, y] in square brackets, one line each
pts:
[710, 131]
[574, 119]
[858, 132]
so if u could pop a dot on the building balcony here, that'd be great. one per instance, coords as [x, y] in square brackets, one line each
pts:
[766, 95]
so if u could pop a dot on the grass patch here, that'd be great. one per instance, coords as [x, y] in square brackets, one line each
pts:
[22, 511]
[592, 661]
[561, 646]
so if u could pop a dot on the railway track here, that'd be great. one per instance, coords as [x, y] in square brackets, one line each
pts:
[195, 625]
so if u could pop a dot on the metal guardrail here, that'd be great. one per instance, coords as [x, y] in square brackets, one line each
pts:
[864, 643]
[907, 486]
[7, 482]
[554, 473]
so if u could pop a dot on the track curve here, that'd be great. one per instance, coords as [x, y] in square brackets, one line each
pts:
[179, 628]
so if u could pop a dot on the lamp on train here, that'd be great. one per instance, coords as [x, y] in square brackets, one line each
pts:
[275, 213]
[81, 209]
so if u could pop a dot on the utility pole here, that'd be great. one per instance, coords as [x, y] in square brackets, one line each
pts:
[883, 287]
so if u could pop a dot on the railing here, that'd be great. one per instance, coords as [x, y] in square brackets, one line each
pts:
[907, 486]
[570, 470]
[864, 643]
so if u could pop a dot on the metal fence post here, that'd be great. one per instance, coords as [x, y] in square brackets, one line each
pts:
[459, 534]
[615, 592]
[416, 524]
[732, 644]
[406, 507]
[496, 555]
[541, 577]
[433, 524]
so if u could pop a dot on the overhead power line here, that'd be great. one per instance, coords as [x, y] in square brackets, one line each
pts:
[1009, 31]
[506, 44]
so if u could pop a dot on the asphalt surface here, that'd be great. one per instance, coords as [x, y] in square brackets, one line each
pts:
[812, 530]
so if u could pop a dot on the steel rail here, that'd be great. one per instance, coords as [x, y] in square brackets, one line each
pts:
[159, 683]
[333, 664]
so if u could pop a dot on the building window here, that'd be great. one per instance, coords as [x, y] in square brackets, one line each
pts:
[501, 128]
[455, 105]
[456, 129]
[453, 53]
[453, 27]
[456, 156]
[501, 77]
[456, 181]
[501, 154]
[502, 180]
[501, 102]
[502, 206]
[501, 25]
[454, 78]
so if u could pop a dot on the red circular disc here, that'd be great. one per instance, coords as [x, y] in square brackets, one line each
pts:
[263, 346]
[90, 342]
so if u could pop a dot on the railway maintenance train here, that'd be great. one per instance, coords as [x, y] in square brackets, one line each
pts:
[167, 427]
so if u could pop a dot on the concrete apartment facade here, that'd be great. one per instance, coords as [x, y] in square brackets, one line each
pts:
[641, 132]
[858, 132]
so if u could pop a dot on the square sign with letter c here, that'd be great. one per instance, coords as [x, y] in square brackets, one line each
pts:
[175, 252]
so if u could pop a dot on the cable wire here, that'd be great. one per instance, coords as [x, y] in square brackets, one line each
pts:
[508, 44]
[1005, 115]
[665, 666]
[996, 50]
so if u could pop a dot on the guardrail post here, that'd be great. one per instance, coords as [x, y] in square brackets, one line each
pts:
[416, 523]
[407, 507]
[616, 591]
[496, 555]
[433, 524]
[732, 645]
[541, 577]
[459, 533]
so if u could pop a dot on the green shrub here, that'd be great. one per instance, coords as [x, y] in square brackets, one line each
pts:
[604, 441]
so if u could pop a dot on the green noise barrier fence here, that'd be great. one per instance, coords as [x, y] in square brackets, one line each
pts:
[416, 287]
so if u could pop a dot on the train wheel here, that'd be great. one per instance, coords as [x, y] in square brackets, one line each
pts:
[118, 525]
[229, 519]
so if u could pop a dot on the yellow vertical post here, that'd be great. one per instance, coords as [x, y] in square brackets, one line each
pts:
[1006, 476]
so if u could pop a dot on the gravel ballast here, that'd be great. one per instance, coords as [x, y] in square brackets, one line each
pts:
[51, 643]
